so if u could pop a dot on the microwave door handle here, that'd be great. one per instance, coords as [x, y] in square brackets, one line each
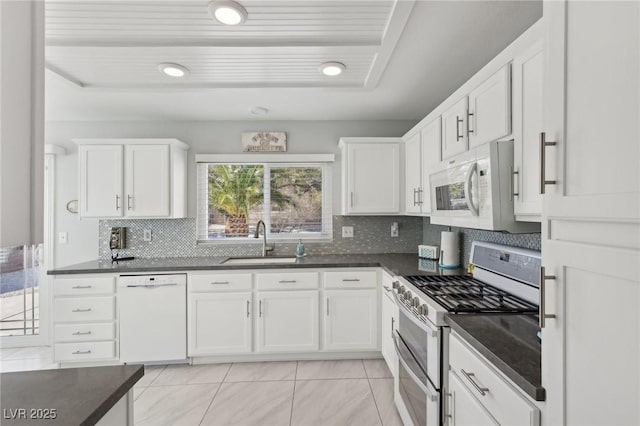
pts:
[467, 190]
[424, 388]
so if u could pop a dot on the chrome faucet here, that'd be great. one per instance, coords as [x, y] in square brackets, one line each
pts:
[266, 248]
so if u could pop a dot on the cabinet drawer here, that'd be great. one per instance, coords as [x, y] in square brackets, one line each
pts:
[83, 286]
[85, 332]
[351, 279]
[83, 309]
[84, 351]
[287, 281]
[219, 282]
[501, 399]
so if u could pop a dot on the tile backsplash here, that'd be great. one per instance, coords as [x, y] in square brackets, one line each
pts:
[177, 238]
[431, 235]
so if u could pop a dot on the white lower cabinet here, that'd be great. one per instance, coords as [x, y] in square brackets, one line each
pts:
[287, 321]
[350, 319]
[220, 323]
[478, 395]
[389, 322]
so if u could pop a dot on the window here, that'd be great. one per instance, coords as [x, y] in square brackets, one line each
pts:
[293, 200]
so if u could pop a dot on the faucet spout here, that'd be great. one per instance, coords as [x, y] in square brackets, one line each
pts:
[265, 247]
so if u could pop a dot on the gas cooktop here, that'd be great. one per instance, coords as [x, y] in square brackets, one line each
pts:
[464, 294]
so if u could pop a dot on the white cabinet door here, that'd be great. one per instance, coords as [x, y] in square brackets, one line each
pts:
[100, 181]
[288, 321]
[388, 323]
[351, 319]
[590, 225]
[147, 177]
[527, 125]
[454, 129]
[373, 178]
[431, 137]
[220, 323]
[413, 175]
[464, 408]
[490, 109]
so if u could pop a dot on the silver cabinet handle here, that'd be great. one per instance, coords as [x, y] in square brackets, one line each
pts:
[260, 309]
[248, 311]
[469, 376]
[82, 310]
[351, 280]
[81, 352]
[458, 135]
[117, 202]
[543, 160]
[542, 316]
[219, 282]
[393, 323]
[327, 306]
[79, 287]
[512, 175]
[414, 198]
[287, 281]
[80, 333]
[129, 198]
[387, 289]
[469, 115]
[420, 191]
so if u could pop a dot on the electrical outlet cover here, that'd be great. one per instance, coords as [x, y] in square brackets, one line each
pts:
[147, 235]
[347, 232]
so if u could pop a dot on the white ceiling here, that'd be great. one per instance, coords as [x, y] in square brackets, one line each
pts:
[402, 58]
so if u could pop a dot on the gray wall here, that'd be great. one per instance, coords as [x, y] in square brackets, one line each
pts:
[208, 137]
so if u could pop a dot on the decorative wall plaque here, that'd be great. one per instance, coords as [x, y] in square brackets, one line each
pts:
[264, 141]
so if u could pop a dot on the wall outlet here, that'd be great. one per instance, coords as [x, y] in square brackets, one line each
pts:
[62, 237]
[347, 232]
[394, 229]
[146, 235]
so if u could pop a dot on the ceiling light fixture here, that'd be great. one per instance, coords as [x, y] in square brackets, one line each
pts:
[228, 12]
[173, 70]
[258, 110]
[332, 69]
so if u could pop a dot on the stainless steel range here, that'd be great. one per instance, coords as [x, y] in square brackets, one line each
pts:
[505, 280]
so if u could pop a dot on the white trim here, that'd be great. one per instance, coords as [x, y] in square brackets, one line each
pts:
[54, 149]
[132, 141]
[264, 158]
[351, 140]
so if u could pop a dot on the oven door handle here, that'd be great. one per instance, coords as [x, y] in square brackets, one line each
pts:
[468, 197]
[432, 395]
[431, 332]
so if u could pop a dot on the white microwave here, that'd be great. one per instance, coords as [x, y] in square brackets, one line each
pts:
[472, 191]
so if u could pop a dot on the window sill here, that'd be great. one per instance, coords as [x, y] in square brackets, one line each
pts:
[258, 241]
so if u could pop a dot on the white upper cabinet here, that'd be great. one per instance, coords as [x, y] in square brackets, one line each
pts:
[148, 181]
[134, 178]
[413, 175]
[431, 137]
[101, 180]
[527, 125]
[370, 175]
[590, 215]
[489, 114]
[454, 129]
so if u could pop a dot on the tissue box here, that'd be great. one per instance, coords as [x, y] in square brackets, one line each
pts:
[428, 252]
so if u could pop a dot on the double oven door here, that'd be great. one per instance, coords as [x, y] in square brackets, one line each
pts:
[418, 344]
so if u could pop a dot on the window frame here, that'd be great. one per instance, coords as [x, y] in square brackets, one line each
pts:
[323, 161]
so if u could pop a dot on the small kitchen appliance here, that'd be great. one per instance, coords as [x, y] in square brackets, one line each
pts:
[449, 250]
[428, 252]
[505, 281]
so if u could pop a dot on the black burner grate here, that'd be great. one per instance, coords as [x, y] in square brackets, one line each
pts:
[462, 293]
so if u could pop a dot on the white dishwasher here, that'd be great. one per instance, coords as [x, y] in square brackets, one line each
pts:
[153, 317]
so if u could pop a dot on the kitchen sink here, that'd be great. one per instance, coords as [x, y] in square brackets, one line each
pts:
[258, 260]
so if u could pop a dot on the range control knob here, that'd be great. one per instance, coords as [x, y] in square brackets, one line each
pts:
[408, 295]
[395, 284]
[423, 310]
[401, 289]
[415, 302]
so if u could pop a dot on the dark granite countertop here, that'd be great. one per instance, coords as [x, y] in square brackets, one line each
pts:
[395, 264]
[80, 396]
[509, 342]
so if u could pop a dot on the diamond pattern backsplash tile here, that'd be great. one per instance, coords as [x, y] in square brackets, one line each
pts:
[431, 235]
[177, 238]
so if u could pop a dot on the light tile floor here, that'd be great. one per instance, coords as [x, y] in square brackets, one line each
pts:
[327, 393]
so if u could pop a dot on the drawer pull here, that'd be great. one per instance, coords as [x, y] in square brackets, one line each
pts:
[469, 376]
[80, 287]
[287, 281]
[81, 352]
[80, 333]
[351, 280]
[387, 289]
[82, 310]
[219, 282]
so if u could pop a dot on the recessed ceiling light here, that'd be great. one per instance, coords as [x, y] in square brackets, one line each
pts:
[173, 70]
[258, 110]
[332, 69]
[228, 12]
